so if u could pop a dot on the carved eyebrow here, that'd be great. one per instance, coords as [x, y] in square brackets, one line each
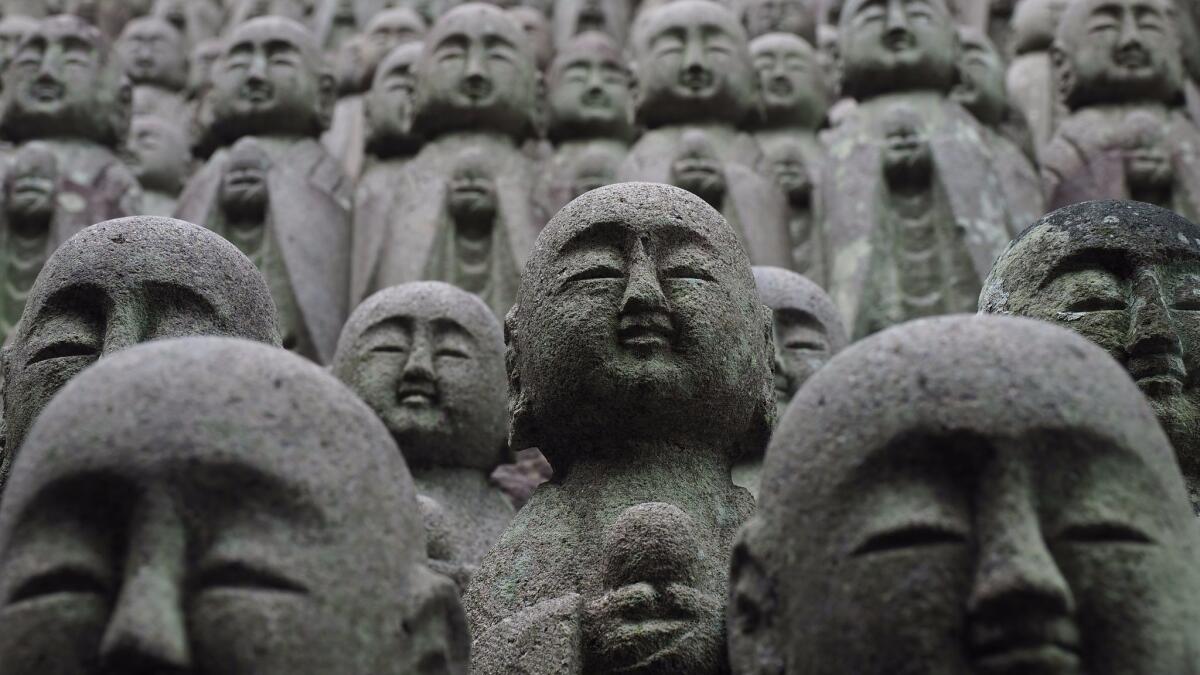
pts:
[1109, 260]
[72, 42]
[281, 46]
[86, 300]
[446, 326]
[602, 234]
[260, 490]
[388, 324]
[800, 317]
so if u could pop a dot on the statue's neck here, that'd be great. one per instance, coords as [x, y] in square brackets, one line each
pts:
[650, 470]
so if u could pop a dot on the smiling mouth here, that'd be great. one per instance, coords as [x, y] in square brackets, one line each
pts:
[258, 93]
[697, 80]
[417, 394]
[1026, 647]
[899, 40]
[47, 92]
[646, 333]
[1132, 57]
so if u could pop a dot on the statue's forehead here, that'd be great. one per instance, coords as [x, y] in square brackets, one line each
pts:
[688, 14]
[60, 29]
[477, 21]
[150, 27]
[853, 7]
[778, 43]
[400, 18]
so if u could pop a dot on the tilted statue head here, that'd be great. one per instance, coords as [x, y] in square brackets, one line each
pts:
[153, 51]
[429, 360]
[271, 80]
[637, 317]
[589, 90]
[794, 89]
[160, 153]
[967, 495]
[1125, 275]
[389, 104]
[477, 73]
[887, 46]
[64, 82]
[119, 283]
[1117, 51]
[217, 505]
[981, 89]
[693, 64]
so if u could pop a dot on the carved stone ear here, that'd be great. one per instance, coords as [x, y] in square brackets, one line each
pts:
[755, 647]
[439, 639]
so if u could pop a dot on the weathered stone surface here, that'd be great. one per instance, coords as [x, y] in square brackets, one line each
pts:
[636, 298]
[216, 505]
[968, 495]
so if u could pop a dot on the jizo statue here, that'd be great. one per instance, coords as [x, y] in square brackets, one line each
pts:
[65, 89]
[797, 17]
[271, 84]
[429, 359]
[611, 17]
[695, 78]
[1001, 483]
[1125, 275]
[154, 55]
[30, 195]
[636, 297]
[1120, 75]
[160, 155]
[194, 537]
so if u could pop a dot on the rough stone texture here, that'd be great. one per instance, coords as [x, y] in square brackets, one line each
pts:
[968, 495]
[301, 239]
[1030, 77]
[709, 97]
[808, 332]
[1126, 275]
[428, 358]
[119, 283]
[1126, 135]
[639, 363]
[216, 505]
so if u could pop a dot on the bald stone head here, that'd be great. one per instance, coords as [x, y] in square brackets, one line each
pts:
[64, 82]
[794, 89]
[394, 27]
[968, 495]
[693, 65]
[1034, 23]
[981, 89]
[888, 46]
[1125, 275]
[429, 360]
[589, 90]
[217, 505]
[389, 104]
[1116, 51]
[637, 317]
[152, 51]
[798, 17]
[271, 79]
[119, 283]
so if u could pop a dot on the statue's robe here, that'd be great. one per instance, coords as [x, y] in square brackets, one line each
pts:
[308, 235]
[409, 237]
[987, 211]
[1086, 159]
[346, 138]
[754, 205]
[807, 243]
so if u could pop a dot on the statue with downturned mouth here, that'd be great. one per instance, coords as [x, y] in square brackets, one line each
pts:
[271, 84]
[636, 297]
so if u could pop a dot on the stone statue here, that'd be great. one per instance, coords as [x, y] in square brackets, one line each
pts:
[271, 84]
[30, 195]
[13, 30]
[1126, 275]
[394, 27]
[590, 118]
[337, 21]
[476, 104]
[194, 537]
[1120, 74]
[119, 283]
[917, 201]
[429, 360]
[808, 332]
[636, 297]
[539, 32]
[573, 17]
[796, 99]
[1030, 78]
[161, 159]
[968, 495]
[154, 55]
[80, 111]
[197, 20]
[797, 17]
[695, 78]
[1189, 38]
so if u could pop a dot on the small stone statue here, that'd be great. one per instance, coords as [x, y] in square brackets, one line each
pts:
[271, 84]
[1030, 77]
[429, 360]
[1126, 275]
[919, 201]
[796, 17]
[154, 55]
[161, 159]
[30, 197]
[968, 495]
[80, 111]
[636, 297]
[1116, 62]
[119, 283]
[476, 101]
[244, 514]
[574, 17]
[808, 332]
[695, 78]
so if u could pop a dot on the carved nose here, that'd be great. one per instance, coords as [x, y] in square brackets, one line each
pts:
[420, 362]
[1151, 331]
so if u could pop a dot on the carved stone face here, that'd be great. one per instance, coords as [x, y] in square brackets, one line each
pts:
[793, 87]
[31, 188]
[471, 197]
[633, 293]
[477, 72]
[204, 58]
[389, 103]
[808, 329]
[1126, 276]
[590, 90]
[982, 89]
[394, 27]
[271, 79]
[193, 540]
[152, 51]
[244, 193]
[693, 64]
[119, 283]
[63, 83]
[160, 153]
[698, 170]
[1117, 50]
[429, 360]
[999, 480]
[797, 17]
[791, 172]
[896, 45]
[575, 17]
[907, 156]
